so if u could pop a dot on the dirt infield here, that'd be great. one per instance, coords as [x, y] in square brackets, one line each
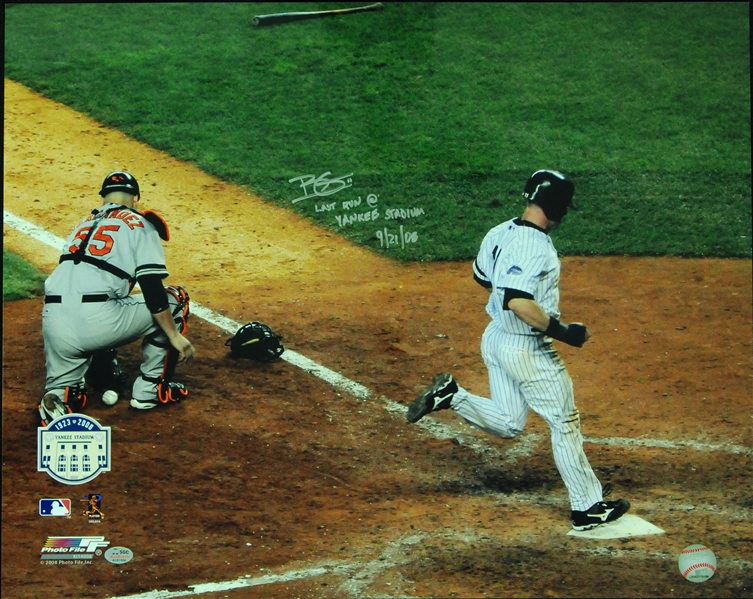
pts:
[271, 477]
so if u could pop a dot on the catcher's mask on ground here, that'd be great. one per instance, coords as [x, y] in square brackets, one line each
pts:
[256, 341]
[552, 191]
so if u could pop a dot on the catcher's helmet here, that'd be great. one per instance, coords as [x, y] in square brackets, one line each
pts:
[120, 181]
[551, 190]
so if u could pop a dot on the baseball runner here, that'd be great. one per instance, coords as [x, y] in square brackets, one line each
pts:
[518, 264]
[88, 308]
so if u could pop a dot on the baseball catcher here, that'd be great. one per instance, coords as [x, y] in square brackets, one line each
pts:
[256, 341]
[89, 310]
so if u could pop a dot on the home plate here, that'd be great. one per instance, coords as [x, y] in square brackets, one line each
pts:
[627, 526]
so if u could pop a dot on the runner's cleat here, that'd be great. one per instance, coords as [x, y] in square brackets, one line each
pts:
[436, 397]
[599, 513]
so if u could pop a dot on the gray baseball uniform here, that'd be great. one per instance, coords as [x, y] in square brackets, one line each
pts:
[87, 303]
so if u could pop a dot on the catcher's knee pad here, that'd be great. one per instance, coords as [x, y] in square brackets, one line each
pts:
[179, 301]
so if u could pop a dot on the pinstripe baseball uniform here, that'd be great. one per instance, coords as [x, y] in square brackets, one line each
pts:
[525, 370]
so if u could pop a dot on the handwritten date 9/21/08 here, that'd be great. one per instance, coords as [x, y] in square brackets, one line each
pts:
[387, 239]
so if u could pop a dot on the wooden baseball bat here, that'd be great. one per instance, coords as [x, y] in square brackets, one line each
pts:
[288, 17]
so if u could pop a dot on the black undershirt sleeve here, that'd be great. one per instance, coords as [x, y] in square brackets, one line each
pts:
[513, 294]
[480, 281]
[154, 293]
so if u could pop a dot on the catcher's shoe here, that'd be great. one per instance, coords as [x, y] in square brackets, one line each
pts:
[436, 397]
[599, 513]
[144, 404]
[52, 407]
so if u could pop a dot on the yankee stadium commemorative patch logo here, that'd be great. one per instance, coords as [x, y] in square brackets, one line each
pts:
[73, 449]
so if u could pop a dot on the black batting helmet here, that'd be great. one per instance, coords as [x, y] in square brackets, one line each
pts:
[552, 191]
[120, 181]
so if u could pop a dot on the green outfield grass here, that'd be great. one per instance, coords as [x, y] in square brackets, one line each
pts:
[442, 107]
[21, 280]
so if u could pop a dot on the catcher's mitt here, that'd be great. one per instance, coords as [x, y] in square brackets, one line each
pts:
[256, 341]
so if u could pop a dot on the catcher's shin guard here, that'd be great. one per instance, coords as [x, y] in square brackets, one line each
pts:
[52, 407]
[167, 390]
[157, 349]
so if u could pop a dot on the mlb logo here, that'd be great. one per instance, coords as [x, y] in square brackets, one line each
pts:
[55, 507]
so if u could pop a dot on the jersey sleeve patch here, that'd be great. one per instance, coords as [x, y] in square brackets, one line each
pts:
[521, 271]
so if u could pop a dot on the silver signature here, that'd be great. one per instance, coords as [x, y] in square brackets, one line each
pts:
[321, 185]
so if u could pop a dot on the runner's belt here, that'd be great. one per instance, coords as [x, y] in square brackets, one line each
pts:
[85, 299]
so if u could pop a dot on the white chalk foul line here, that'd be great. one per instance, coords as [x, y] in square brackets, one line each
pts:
[358, 575]
[33, 231]
[228, 585]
